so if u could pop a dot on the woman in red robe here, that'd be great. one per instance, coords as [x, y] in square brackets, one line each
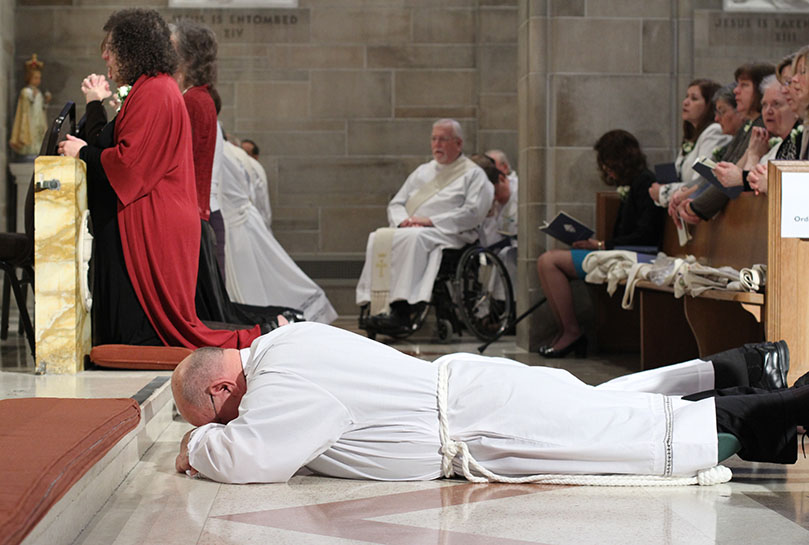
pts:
[196, 47]
[150, 168]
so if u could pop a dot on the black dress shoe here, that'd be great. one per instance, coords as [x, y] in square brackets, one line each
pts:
[387, 322]
[544, 348]
[774, 364]
[579, 346]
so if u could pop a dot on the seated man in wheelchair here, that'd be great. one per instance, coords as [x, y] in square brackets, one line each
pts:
[440, 205]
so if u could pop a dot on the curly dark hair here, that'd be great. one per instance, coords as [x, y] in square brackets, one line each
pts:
[707, 88]
[197, 48]
[619, 151]
[141, 42]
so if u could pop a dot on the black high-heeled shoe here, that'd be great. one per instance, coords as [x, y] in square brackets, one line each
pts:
[579, 346]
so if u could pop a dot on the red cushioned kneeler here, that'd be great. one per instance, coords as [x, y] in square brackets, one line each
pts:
[46, 446]
[127, 356]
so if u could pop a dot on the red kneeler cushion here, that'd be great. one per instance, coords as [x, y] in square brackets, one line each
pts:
[46, 446]
[127, 356]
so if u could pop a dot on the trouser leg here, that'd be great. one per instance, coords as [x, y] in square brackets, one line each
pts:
[732, 368]
[763, 421]
[763, 365]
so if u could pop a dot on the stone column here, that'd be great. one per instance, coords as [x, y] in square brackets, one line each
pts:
[62, 319]
[532, 61]
[585, 67]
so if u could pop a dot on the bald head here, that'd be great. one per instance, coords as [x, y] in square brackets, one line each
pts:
[501, 160]
[191, 382]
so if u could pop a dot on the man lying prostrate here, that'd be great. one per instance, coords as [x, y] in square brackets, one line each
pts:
[310, 395]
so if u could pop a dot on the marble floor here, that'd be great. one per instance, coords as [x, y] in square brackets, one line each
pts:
[154, 505]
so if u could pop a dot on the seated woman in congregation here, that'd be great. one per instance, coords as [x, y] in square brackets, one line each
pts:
[710, 200]
[795, 83]
[141, 176]
[639, 223]
[776, 141]
[701, 136]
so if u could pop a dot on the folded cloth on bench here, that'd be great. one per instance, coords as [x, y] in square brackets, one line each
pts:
[46, 446]
[610, 266]
[694, 278]
[638, 272]
[753, 278]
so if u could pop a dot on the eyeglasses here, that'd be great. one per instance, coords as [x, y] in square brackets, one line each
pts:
[215, 412]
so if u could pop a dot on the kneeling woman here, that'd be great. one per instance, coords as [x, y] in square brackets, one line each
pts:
[640, 223]
[141, 181]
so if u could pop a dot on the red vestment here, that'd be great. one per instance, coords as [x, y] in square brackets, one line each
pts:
[202, 112]
[151, 169]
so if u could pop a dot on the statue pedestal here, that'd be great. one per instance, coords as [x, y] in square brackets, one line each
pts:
[62, 323]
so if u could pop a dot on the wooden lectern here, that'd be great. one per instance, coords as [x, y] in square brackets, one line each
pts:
[787, 304]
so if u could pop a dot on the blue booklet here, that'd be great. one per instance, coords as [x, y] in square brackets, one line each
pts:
[704, 167]
[666, 173]
[566, 228]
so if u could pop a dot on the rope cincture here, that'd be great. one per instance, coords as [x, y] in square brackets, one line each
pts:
[451, 449]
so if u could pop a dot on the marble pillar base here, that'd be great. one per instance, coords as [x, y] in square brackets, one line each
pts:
[62, 323]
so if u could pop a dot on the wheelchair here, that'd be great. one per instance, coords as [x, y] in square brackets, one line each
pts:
[472, 291]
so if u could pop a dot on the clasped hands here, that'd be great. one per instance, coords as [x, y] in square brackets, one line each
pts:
[680, 206]
[730, 175]
[95, 87]
[757, 178]
[416, 221]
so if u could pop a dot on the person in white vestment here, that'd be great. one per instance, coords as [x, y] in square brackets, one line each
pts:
[259, 187]
[504, 166]
[499, 229]
[312, 396]
[259, 271]
[250, 147]
[440, 205]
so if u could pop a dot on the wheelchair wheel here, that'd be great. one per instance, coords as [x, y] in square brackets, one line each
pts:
[443, 329]
[483, 293]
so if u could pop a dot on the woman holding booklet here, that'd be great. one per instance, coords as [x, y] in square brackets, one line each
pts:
[621, 163]
[709, 199]
[702, 134]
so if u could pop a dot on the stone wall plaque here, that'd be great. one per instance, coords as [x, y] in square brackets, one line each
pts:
[233, 4]
[758, 29]
[766, 5]
[250, 26]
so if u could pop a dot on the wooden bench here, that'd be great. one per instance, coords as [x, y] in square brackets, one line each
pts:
[669, 330]
[746, 232]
